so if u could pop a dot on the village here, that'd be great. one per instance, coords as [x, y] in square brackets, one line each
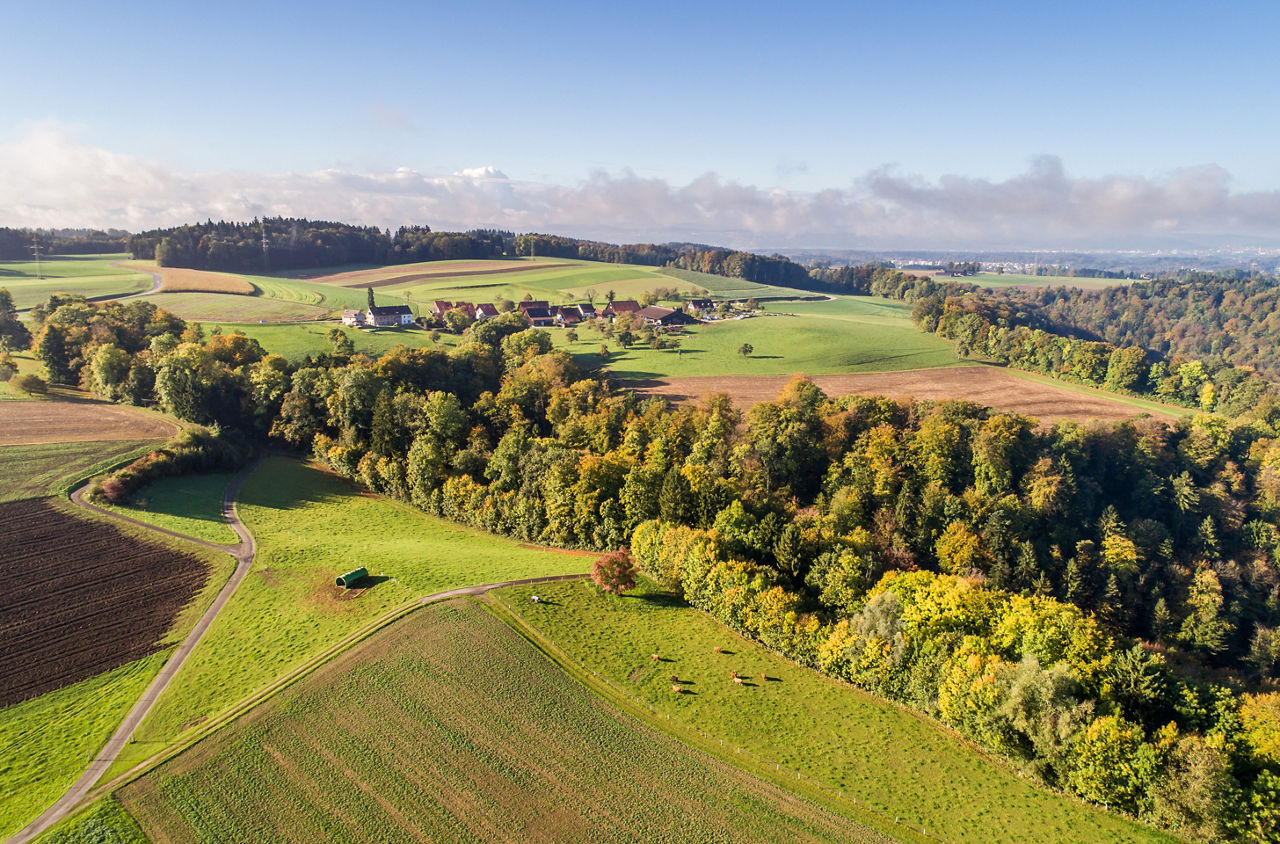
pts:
[456, 316]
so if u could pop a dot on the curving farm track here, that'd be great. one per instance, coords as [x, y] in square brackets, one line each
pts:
[244, 554]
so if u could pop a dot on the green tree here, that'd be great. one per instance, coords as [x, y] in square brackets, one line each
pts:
[341, 341]
[746, 349]
[369, 296]
[51, 350]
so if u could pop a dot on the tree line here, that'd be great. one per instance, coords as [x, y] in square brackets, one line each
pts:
[15, 244]
[1099, 603]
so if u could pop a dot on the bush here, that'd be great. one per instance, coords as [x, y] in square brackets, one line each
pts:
[31, 384]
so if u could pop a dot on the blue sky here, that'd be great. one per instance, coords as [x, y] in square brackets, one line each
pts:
[799, 99]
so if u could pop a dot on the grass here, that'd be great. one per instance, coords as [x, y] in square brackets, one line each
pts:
[86, 275]
[816, 338]
[449, 725]
[887, 758]
[188, 504]
[230, 307]
[734, 288]
[311, 527]
[1019, 280]
[105, 822]
[47, 742]
[296, 341]
[33, 471]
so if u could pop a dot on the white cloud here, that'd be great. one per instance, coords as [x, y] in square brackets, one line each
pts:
[50, 179]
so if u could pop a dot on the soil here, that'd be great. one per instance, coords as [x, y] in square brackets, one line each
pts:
[81, 598]
[982, 384]
[35, 422]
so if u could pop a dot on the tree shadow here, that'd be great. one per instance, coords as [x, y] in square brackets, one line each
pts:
[658, 599]
[769, 679]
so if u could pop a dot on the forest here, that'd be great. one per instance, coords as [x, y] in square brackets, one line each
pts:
[1097, 603]
[15, 244]
[1223, 315]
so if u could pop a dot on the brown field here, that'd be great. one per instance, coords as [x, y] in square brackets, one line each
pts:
[81, 598]
[449, 726]
[180, 280]
[35, 422]
[375, 278]
[985, 385]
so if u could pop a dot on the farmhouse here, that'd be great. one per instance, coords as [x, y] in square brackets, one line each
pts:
[702, 305]
[440, 307]
[538, 317]
[567, 315]
[485, 311]
[390, 315]
[587, 311]
[621, 306]
[355, 319]
[657, 315]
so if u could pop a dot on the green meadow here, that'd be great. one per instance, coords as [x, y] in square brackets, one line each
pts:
[296, 341]
[34, 471]
[310, 527]
[187, 504]
[791, 722]
[1020, 280]
[86, 275]
[848, 334]
[47, 742]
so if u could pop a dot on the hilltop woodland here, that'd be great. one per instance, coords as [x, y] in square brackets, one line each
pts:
[15, 244]
[1098, 603]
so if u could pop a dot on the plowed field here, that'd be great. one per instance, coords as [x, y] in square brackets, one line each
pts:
[982, 384]
[80, 598]
[34, 422]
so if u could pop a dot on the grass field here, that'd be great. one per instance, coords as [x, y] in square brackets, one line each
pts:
[296, 341]
[85, 275]
[188, 504]
[845, 335]
[734, 288]
[311, 527]
[900, 764]
[228, 307]
[1019, 280]
[105, 822]
[32, 471]
[448, 726]
[47, 742]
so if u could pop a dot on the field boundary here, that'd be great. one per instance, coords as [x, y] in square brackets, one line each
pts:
[280, 684]
[717, 748]
[244, 554]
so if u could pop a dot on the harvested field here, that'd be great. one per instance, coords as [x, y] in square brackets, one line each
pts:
[35, 422]
[81, 598]
[181, 280]
[985, 385]
[408, 279]
[448, 726]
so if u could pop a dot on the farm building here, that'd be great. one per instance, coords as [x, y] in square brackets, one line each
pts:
[353, 318]
[702, 305]
[621, 306]
[390, 315]
[485, 311]
[587, 311]
[440, 307]
[538, 317]
[657, 315]
[567, 315]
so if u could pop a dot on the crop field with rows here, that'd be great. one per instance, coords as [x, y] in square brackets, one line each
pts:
[448, 726]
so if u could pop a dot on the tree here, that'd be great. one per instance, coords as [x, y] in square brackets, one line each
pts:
[746, 349]
[51, 350]
[369, 296]
[615, 572]
[342, 344]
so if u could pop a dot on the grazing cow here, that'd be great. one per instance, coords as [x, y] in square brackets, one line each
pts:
[738, 680]
[677, 689]
[654, 657]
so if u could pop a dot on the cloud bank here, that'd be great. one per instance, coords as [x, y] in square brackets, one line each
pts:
[48, 178]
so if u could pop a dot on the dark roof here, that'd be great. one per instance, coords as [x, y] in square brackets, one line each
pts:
[537, 313]
[655, 312]
[622, 306]
[487, 309]
[390, 310]
[537, 303]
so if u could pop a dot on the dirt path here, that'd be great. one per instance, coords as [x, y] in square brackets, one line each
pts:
[243, 552]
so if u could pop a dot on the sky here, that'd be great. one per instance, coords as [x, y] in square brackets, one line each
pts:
[841, 125]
